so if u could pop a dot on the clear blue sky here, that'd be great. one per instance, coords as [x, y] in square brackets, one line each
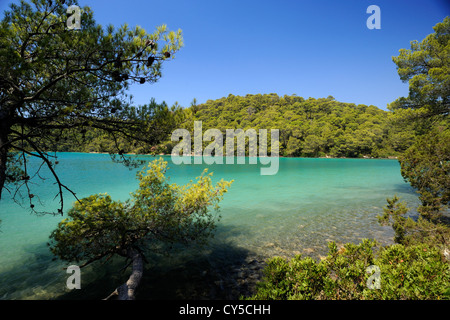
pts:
[304, 47]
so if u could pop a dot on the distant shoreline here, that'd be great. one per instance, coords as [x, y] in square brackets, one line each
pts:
[164, 154]
[192, 155]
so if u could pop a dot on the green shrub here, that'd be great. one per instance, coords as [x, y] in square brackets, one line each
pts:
[410, 231]
[413, 272]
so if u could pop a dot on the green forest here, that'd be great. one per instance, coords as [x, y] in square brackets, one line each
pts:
[310, 127]
[313, 127]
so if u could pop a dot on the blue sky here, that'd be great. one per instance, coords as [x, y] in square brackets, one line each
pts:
[304, 47]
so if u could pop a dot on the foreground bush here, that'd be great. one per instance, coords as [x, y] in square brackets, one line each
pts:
[414, 272]
[158, 215]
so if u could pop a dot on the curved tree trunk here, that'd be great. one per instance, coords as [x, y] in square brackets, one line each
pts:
[127, 290]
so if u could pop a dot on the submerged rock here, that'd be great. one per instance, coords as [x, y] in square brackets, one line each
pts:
[308, 250]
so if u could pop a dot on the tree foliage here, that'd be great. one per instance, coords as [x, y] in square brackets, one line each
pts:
[426, 166]
[406, 272]
[426, 67]
[56, 83]
[410, 230]
[308, 127]
[157, 213]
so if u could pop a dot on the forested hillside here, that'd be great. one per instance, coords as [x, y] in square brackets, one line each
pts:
[310, 127]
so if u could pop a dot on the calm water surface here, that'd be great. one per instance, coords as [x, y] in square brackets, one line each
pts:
[308, 203]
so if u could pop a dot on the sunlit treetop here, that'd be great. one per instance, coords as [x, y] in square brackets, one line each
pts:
[426, 67]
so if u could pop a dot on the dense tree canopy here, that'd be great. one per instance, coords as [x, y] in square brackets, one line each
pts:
[57, 83]
[426, 164]
[308, 127]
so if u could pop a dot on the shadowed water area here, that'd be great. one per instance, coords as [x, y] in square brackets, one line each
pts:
[307, 204]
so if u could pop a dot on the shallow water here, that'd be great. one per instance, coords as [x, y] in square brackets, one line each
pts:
[308, 203]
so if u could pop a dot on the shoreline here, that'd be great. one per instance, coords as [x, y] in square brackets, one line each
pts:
[192, 155]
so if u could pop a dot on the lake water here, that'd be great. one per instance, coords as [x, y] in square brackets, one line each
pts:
[308, 203]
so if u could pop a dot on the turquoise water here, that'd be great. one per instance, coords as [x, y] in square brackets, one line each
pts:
[308, 203]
